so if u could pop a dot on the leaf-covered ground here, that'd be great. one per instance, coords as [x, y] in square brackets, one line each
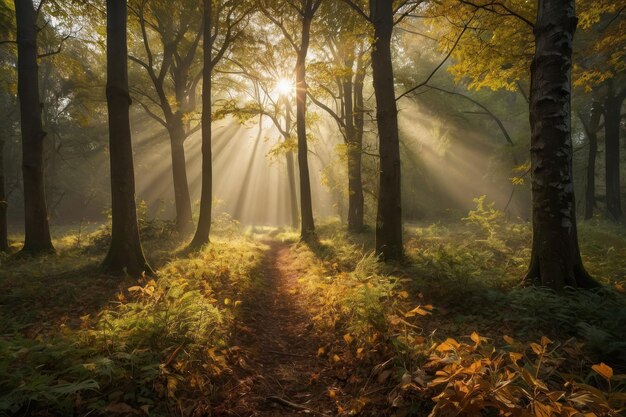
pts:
[258, 324]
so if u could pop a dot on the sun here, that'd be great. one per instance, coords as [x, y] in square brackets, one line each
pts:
[284, 86]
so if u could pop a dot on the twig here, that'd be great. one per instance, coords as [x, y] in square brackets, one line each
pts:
[290, 404]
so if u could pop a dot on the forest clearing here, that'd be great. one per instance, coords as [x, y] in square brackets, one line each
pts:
[376, 208]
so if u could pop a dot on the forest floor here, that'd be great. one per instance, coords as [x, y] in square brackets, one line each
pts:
[278, 371]
[259, 324]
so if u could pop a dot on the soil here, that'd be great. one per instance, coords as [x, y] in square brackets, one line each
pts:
[278, 372]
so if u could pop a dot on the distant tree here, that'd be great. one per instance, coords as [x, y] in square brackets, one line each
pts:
[342, 81]
[591, 126]
[170, 39]
[555, 258]
[389, 211]
[305, 11]
[612, 124]
[4, 238]
[221, 27]
[125, 253]
[37, 231]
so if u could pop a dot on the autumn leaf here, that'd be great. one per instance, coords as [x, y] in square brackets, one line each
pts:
[348, 339]
[603, 370]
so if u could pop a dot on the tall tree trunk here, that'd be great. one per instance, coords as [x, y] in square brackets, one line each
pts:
[37, 231]
[307, 225]
[389, 217]
[612, 109]
[291, 171]
[4, 230]
[591, 127]
[184, 221]
[355, 185]
[125, 252]
[555, 259]
[206, 195]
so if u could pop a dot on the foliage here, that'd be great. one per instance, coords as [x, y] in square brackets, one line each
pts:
[150, 346]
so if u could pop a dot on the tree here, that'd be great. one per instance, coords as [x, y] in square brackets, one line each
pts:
[305, 10]
[591, 127]
[37, 230]
[174, 77]
[125, 252]
[346, 71]
[223, 25]
[555, 258]
[612, 121]
[389, 208]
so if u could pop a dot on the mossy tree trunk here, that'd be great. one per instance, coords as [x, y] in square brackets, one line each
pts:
[555, 260]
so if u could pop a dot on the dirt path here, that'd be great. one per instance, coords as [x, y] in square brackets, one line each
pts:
[278, 371]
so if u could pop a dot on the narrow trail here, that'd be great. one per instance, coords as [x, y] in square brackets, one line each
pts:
[278, 372]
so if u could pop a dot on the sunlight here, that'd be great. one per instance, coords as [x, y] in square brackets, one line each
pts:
[284, 86]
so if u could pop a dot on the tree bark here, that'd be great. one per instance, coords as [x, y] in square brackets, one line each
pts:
[355, 185]
[612, 109]
[307, 224]
[389, 217]
[555, 259]
[37, 230]
[203, 230]
[591, 127]
[184, 220]
[125, 252]
[291, 171]
[4, 230]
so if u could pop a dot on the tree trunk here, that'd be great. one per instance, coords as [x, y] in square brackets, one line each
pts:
[291, 171]
[4, 230]
[203, 230]
[125, 253]
[37, 231]
[389, 217]
[591, 130]
[555, 259]
[612, 109]
[184, 221]
[355, 186]
[307, 225]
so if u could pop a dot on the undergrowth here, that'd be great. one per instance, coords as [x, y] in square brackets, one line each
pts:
[397, 326]
[152, 346]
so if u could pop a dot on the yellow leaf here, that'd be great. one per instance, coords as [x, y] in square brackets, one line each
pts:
[603, 370]
[475, 338]
[226, 301]
[135, 288]
[537, 348]
[336, 358]
[348, 338]
[360, 353]
[403, 294]
[545, 341]
[449, 344]
[332, 393]
[515, 357]
[238, 303]
[542, 410]
[417, 310]
[508, 339]
[321, 351]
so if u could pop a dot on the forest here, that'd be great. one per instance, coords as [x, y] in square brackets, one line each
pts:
[376, 208]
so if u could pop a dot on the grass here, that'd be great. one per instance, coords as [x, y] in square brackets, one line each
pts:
[75, 342]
